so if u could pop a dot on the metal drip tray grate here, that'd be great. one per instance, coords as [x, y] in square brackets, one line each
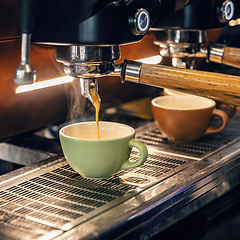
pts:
[198, 149]
[156, 165]
[61, 196]
[47, 201]
[58, 197]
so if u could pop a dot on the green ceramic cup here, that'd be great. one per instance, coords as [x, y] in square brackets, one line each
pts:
[100, 159]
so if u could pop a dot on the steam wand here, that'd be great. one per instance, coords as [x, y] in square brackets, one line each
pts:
[24, 73]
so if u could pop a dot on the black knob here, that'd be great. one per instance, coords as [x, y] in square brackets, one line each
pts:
[225, 11]
[139, 23]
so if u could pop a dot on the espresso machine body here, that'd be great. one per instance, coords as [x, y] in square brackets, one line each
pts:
[99, 22]
[88, 39]
[93, 22]
[196, 15]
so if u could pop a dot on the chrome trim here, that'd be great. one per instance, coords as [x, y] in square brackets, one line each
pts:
[216, 53]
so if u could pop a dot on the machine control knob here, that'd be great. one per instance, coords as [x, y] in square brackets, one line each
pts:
[140, 22]
[225, 11]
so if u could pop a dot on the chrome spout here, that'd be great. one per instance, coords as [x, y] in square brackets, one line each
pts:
[89, 89]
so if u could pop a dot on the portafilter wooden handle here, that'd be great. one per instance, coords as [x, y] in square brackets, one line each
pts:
[231, 57]
[219, 53]
[221, 87]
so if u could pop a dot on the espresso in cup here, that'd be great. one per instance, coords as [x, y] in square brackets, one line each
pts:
[100, 158]
[186, 118]
[229, 108]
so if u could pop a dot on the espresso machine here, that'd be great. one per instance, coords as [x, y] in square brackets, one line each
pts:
[87, 42]
[47, 199]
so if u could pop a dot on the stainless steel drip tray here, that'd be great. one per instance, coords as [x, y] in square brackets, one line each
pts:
[20, 155]
[207, 145]
[50, 200]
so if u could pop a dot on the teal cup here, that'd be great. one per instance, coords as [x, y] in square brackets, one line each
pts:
[95, 158]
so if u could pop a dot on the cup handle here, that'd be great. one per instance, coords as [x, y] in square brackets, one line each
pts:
[143, 155]
[224, 118]
[231, 110]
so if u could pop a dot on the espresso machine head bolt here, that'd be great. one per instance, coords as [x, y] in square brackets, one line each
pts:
[24, 73]
[225, 11]
[139, 22]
